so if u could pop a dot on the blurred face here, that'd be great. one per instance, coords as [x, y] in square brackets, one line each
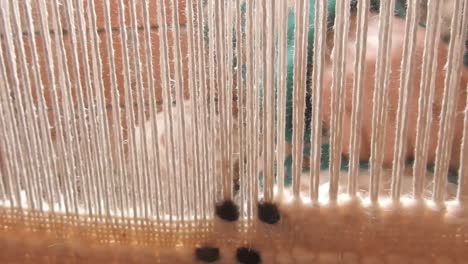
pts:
[369, 78]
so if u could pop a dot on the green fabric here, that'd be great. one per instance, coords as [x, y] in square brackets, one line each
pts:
[465, 59]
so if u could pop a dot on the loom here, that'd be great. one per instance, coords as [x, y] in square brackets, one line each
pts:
[240, 131]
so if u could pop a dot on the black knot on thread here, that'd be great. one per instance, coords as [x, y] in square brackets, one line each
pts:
[207, 254]
[246, 255]
[268, 213]
[227, 210]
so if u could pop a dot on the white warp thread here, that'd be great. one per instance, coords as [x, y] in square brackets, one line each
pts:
[356, 115]
[399, 156]
[300, 56]
[426, 97]
[446, 126]
[82, 156]
[194, 102]
[281, 88]
[379, 98]
[338, 93]
[462, 193]
[317, 85]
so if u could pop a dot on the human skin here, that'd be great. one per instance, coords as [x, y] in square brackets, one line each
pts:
[393, 93]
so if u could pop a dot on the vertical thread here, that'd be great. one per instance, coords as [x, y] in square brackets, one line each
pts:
[451, 83]
[130, 117]
[250, 97]
[269, 101]
[40, 133]
[317, 88]
[338, 94]
[379, 97]
[155, 163]
[15, 171]
[60, 190]
[462, 192]
[96, 145]
[405, 93]
[257, 102]
[356, 114]
[300, 56]
[213, 94]
[239, 54]
[87, 168]
[108, 170]
[141, 162]
[281, 98]
[194, 103]
[220, 56]
[116, 114]
[229, 26]
[426, 97]
[168, 116]
[68, 111]
[26, 164]
[179, 87]
[203, 97]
